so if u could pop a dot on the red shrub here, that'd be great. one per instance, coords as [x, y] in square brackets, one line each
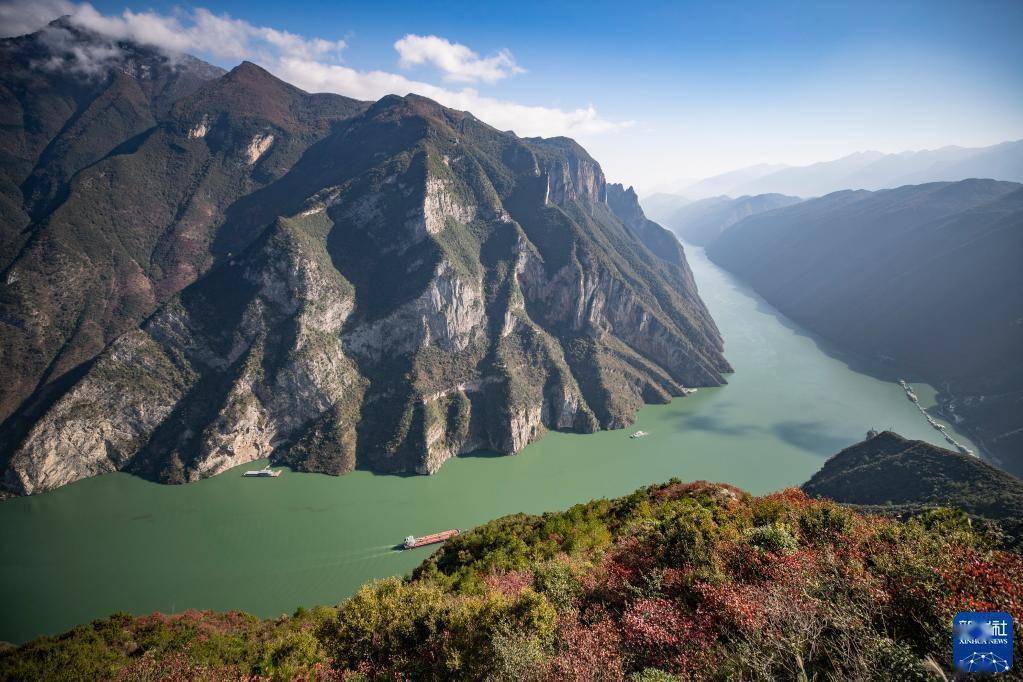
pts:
[587, 651]
[658, 633]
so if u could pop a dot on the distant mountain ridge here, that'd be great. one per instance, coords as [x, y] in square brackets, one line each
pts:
[701, 222]
[925, 277]
[868, 170]
[251, 270]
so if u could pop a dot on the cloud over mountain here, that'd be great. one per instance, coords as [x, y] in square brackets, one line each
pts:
[313, 64]
[458, 62]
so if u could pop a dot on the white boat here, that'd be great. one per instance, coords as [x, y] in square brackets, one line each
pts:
[639, 434]
[265, 472]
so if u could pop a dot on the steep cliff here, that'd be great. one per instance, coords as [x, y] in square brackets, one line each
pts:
[382, 286]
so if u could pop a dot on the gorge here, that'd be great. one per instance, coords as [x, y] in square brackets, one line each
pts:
[268, 545]
[254, 271]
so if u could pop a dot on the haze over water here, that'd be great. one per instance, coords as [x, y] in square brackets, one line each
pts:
[118, 543]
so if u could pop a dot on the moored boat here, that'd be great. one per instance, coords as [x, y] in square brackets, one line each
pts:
[265, 472]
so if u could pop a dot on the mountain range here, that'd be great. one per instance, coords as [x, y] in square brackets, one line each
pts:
[922, 278]
[869, 170]
[201, 268]
[701, 222]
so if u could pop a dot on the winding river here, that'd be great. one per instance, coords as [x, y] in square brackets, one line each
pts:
[118, 543]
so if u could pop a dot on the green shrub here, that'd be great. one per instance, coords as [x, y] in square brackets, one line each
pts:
[775, 537]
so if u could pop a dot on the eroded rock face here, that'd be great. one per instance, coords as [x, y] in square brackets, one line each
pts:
[433, 287]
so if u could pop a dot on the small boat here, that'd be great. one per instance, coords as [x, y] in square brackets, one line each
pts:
[411, 542]
[265, 472]
[639, 434]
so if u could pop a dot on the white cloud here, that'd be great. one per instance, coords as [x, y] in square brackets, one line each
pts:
[92, 59]
[524, 119]
[313, 64]
[458, 62]
[19, 18]
[202, 31]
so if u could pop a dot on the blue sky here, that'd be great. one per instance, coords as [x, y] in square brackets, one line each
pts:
[659, 92]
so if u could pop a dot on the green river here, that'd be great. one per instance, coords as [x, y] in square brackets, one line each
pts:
[118, 543]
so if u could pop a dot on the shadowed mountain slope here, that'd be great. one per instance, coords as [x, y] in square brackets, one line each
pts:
[923, 277]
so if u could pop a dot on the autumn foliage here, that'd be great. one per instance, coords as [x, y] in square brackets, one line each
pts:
[675, 582]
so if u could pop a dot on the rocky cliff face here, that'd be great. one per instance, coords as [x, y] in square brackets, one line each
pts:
[383, 286]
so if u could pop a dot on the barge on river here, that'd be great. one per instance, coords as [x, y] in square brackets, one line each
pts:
[411, 542]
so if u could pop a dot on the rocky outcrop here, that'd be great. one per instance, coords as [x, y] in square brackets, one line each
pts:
[414, 286]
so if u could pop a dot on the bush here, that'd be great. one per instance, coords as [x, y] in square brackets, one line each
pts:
[673, 582]
[775, 538]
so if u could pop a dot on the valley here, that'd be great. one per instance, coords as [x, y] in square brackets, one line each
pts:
[120, 543]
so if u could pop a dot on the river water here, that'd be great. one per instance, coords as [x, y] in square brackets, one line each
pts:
[118, 543]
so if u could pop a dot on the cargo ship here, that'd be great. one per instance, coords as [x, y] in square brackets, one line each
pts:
[411, 542]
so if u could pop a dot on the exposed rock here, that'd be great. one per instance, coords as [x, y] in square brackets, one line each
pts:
[257, 147]
[435, 287]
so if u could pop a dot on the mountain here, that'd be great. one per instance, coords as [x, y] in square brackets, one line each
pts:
[871, 171]
[661, 204]
[332, 283]
[924, 277]
[890, 473]
[675, 581]
[701, 222]
[726, 182]
[70, 98]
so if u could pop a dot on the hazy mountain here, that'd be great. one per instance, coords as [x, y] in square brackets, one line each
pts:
[701, 222]
[253, 270]
[725, 183]
[891, 474]
[925, 276]
[873, 171]
[662, 204]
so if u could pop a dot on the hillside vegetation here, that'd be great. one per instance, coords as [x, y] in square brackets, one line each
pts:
[889, 473]
[676, 581]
